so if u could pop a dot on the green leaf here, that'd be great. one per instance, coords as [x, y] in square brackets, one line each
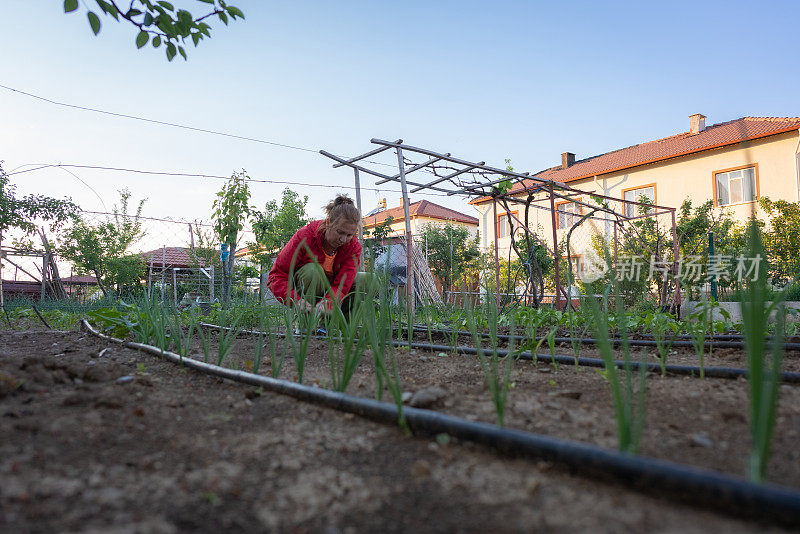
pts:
[206, 1]
[142, 39]
[70, 5]
[94, 22]
[223, 17]
[111, 321]
[235, 12]
[196, 38]
[108, 8]
[148, 19]
[156, 41]
[133, 13]
[167, 6]
[183, 52]
[171, 51]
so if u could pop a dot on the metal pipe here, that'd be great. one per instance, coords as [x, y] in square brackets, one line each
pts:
[451, 159]
[496, 254]
[409, 241]
[449, 176]
[554, 222]
[359, 167]
[360, 227]
[676, 299]
[412, 169]
[362, 156]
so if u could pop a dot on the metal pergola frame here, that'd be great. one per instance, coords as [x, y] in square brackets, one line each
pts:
[473, 179]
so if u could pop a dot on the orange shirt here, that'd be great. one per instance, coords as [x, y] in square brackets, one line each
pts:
[327, 265]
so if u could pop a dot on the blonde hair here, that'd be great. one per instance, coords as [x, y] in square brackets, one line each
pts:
[341, 207]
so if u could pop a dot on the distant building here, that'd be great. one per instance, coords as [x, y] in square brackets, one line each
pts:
[422, 213]
[172, 258]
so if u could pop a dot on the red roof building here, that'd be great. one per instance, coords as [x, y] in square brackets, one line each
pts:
[716, 136]
[421, 213]
[732, 164]
[172, 257]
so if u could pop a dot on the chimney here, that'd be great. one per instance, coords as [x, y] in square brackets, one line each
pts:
[567, 159]
[697, 123]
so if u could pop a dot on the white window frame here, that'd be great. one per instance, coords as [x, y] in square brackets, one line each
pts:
[731, 187]
[568, 214]
[504, 226]
[635, 195]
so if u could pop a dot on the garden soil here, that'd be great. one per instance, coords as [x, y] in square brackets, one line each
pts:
[98, 438]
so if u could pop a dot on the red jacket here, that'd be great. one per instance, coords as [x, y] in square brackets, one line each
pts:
[345, 263]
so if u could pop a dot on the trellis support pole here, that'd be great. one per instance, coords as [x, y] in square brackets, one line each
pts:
[409, 260]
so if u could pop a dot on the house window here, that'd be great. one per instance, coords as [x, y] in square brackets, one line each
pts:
[736, 186]
[577, 264]
[639, 194]
[505, 225]
[568, 214]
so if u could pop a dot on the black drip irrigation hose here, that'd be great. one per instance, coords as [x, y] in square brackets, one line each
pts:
[686, 370]
[692, 485]
[717, 342]
[732, 373]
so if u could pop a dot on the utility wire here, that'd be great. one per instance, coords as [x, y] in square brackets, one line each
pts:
[164, 123]
[42, 166]
[131, 216]
[154, 121]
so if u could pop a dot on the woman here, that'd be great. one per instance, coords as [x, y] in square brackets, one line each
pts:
[326, 256]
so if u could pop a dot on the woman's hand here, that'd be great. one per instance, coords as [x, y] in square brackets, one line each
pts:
[304, 305]
[322, 307]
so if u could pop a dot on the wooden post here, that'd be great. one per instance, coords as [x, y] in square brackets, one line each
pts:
[174, 287]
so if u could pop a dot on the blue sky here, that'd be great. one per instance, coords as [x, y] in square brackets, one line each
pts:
[482, 80]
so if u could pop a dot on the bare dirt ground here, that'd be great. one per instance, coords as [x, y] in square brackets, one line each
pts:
[120, 441]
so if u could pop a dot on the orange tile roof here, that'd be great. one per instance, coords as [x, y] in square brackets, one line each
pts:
[421, 208]
[714, 136]
[174, 256]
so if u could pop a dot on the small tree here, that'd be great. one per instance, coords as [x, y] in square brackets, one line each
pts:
[102, 249]
[276, 225]
[782, 241]
[230, 213]
[373, 243]
[450, 250]
[20, 213]
[204, 246]
[693, 226]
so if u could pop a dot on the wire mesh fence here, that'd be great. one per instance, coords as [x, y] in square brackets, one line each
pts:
[157, 258]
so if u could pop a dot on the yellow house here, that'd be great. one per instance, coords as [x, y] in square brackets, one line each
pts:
[422, 213]
[732, 163]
